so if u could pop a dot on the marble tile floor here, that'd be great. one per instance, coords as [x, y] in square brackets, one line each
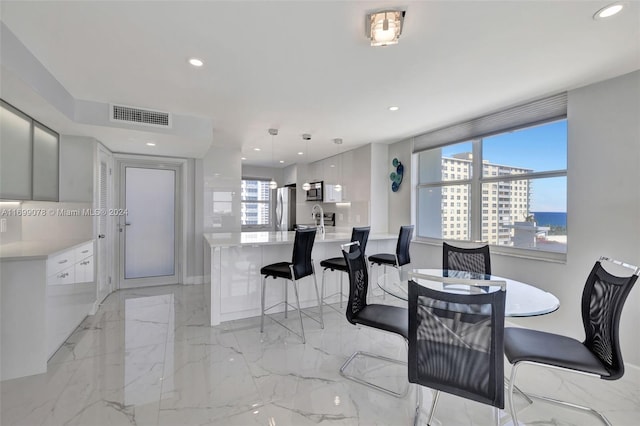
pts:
[148, 358]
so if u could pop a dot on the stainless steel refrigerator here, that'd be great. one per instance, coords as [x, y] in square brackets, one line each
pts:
[285, 209]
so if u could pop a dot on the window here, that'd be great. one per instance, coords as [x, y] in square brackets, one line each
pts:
[521, 173]
[255, 203]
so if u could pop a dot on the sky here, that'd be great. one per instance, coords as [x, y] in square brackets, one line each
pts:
[541, 148]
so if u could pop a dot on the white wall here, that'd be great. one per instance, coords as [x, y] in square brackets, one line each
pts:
[603, 180]
[264, 172]
[398, 213]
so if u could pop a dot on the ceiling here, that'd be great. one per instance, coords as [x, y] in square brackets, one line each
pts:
[306, 66]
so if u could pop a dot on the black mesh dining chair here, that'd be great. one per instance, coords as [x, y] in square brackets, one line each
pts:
[392, 319]
[359, 234]
[300, 266]
[400, 257]
[598, 355]
[456, 343]
[466, 259]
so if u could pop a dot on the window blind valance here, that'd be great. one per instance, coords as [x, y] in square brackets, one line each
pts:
[528, 114]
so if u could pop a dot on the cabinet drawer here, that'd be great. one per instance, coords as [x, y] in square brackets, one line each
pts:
[65, 276]
[83, 251]
[59, 262]
[84, 270]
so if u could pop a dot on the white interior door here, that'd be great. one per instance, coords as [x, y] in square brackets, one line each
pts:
[105, 226]
[148, 228]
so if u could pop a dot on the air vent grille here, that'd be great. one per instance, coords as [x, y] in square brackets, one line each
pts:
[141, 116]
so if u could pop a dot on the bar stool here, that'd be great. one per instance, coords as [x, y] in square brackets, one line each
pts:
[301, 266]
[361, 235]
[401, 256]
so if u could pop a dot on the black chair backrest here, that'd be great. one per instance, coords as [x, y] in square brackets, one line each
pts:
[358, 281]
[302, 246]
[456, 343]
[402, 247]
[603, 297]
[361, 235]
[466, 259]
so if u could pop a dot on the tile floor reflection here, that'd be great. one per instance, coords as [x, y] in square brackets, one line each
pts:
[148, 358]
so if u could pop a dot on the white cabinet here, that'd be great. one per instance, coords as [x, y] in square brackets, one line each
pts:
[72, 266]
[71, 293]
[46, 145]
[29, 154]
[77, 168]
[331, 195]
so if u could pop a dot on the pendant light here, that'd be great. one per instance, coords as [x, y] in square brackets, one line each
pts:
[273, 184]
[306, 185]
[338, 142]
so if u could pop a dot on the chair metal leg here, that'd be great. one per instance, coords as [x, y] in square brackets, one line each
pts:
[433, 407]
[416, 417]
[514, 369]
[286, 299]
[295, 289]
[264, 280]
[384, 271]
[496, 415]
[370, 384]
[341, 276]
[315, 284]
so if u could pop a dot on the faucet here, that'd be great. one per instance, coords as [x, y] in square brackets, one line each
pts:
[313, 215]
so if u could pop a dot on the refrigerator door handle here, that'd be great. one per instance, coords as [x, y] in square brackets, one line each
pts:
[279, 209]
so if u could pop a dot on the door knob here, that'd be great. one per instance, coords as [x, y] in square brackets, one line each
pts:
[101, 236]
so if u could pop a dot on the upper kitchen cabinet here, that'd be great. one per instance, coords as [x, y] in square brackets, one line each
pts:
[29, 155]
[45, 163]
[15, 153]
[78, 166]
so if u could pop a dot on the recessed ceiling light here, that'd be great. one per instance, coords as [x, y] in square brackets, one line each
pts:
[393, 108]
[608, 11]
[281, 161]
[243, 158]
[332, 165]
[151, 144]
[301, 153]
[256, 149]
[196, 62]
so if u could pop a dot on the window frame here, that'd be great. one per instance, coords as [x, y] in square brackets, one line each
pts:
[475, 183]
[255, 227]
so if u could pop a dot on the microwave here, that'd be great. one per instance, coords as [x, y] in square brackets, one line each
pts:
[316, 191]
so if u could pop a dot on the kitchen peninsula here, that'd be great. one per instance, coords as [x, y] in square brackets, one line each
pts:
[233, 262]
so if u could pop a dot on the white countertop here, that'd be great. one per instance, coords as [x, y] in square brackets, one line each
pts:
[33, 250]
[235, 239]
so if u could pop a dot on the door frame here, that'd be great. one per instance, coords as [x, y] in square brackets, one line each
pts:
[110, 246]
[145, 161]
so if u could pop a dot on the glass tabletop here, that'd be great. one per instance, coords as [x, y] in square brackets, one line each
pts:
[522, 300]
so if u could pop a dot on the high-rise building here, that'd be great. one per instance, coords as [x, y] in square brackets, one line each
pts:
[255, 202]
[503, 203]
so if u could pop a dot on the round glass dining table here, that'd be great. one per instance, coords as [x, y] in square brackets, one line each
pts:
[522, 300]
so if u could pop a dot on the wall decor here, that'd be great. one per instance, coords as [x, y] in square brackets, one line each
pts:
[396, 177]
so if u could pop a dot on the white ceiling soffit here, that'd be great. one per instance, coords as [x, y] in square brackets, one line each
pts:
[307, 67]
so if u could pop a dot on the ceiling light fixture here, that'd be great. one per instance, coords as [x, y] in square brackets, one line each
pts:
[300, 153]
[256, 149]
[281, 161]
[338, 142]
[384, 27]
[393, 108]
[307, 186]
[151, 144]
[609, 10]
[196, 62]
[273, 184]
[243, 158]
